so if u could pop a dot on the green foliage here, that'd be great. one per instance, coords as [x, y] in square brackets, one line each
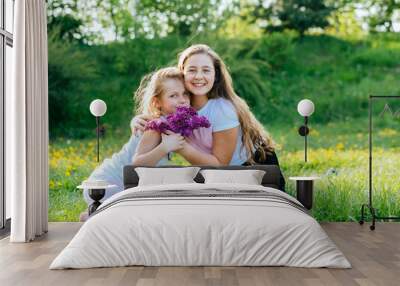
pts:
[276, 49]
[64, 21]
[272, 73]
[182, 18]
[66, 26]
[297, 15]
[345, 24]
[68, 70]
[123, 20]
[381, 50]
[382, 14]
[115, 16]
[249, 83]
[329, 72]
[377, 57]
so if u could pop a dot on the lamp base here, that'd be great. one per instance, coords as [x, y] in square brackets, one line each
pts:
[96, 195]
[304, 130]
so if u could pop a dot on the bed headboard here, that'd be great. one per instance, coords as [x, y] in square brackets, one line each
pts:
[270, 179]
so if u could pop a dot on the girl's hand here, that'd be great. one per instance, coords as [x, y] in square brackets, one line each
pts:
[138, 123]
[172, 141]
[185, 146]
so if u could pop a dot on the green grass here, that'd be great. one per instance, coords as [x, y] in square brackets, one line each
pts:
[342, 146]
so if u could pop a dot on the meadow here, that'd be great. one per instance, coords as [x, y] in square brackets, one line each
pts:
[338, 154]
[272, 72]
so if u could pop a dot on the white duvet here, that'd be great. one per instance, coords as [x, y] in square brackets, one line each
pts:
[183, 231]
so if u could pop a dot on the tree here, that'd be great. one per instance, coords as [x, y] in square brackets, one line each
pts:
[121, 20]
[62, 20]
[116, 15]
[382, 14]
[81, 20]
[298, 15]
[183, 17]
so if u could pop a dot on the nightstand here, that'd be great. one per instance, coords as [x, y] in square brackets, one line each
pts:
[96, 190]
[304, 190]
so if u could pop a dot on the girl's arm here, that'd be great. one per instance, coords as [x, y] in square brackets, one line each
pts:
[224, 144]
[153, 147]
[149, 150]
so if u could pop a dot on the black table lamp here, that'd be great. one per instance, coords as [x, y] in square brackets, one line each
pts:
[305, 108]
[98, 108]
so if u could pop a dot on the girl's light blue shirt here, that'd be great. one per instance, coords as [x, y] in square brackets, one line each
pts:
[222, 115]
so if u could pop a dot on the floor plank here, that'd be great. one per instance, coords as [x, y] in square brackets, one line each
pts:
[374, 255]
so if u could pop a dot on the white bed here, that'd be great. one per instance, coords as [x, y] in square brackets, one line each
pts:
[221, 225]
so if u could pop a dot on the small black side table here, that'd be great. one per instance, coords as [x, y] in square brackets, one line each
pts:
[96, 193]
[304, 190]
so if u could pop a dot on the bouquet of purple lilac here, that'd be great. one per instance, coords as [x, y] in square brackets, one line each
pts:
[183, 121]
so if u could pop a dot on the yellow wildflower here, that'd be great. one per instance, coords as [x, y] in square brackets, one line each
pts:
[340, 146]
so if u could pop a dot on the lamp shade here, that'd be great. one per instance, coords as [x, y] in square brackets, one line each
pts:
[98, 107]
[305, 107]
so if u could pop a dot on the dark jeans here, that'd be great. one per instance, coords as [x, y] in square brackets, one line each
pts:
[271, 159]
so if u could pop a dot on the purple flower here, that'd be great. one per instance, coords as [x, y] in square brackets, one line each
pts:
[183, 121]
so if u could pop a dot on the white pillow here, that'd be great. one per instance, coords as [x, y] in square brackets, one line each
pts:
[248, 177]
[166, 176]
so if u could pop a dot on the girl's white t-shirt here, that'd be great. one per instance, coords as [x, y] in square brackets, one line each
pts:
[222, 115]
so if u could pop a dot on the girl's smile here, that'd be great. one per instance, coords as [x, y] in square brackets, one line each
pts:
[199, 74]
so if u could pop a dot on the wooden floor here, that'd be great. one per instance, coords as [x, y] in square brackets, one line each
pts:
[374, 255]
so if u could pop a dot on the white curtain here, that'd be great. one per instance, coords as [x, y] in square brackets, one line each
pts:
[27, 122]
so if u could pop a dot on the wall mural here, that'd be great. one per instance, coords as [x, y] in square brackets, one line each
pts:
[118, 52]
